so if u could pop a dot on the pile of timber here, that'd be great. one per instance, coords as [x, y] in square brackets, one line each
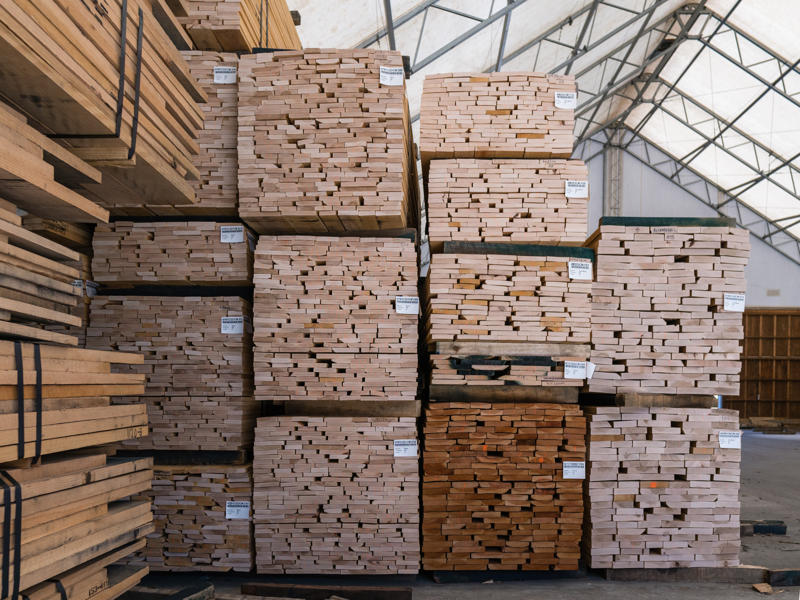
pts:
[336, 495]
[660, 323]
[324, 146]
[128, 106]
[73, 408]
[65, 520]
[85, 288]
[77, 236]
[198, 361]
[327, 322]
[202, 519]
[497, 486]
[177, 253]
[663, 488]
[237, 25]
[496, 115]
[507, 200]
[216, 187]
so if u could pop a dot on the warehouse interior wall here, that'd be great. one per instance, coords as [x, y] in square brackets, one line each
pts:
[772, 279]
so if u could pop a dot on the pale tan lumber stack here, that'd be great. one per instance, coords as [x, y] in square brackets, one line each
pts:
[62, 68]
[494, 492]
[173, 252]
[202, 519]
[495, 115]
[326, 321]
[663, 488]
[75, 405]
[199, 377]
[324, 146]
[70, 513]
[241, 25]
[216, 188]
[659, 322]
[331, 495]
[507, 200]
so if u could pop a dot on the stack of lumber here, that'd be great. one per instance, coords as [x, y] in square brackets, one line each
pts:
[77, 236]
[85, 288]
[74, 401]
[493, 486]
[659, 323]
[495, 115]
[202, 519]
[332, 495]
[216, 188]
[506, 200]
[127, 106]
[199, 377]
[663, 491]
[326, 321]
[70, 513]
[176, 253]
[324, 146]
[241, 25]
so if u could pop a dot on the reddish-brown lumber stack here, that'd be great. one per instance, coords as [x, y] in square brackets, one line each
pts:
[494, 490]
[324, 146]
[659, 317]
[663, 488]
[507, 200]
[332, 495]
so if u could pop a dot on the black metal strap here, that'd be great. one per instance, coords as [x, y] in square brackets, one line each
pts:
[60, 588]
[20, 400]
[7, 481]
[137, 85]
[37, 364]
[6, 538]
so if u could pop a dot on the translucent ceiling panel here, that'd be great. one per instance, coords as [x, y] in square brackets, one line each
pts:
[774, 121]
[774, 202]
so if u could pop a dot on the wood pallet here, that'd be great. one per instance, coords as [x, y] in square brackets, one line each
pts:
[494, 496]
[72, 511]
[128, 253]
[331, 497]
[495, 115]
[662, 491]
[659, 323]
[62, 68]
[237, 25]
[506, 200]
[199, 379]
[324, 147]
[202, 519]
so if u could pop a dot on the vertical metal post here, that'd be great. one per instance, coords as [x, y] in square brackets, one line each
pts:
[612, 174]
[387, 11]
[502, 50]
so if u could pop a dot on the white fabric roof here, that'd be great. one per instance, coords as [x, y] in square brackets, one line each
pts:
[715, 116]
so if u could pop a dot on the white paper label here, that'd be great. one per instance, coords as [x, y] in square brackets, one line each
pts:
[566, 100]
[730, 439]
[590, 367]
[574, 369]
[224, 74]
[576, 189]
[405, 448]
[733, 302]
[574, 470]
[232, 325]
[580, 270]
[237, 509]
[406, 305]
[231, 234]
[392, 75]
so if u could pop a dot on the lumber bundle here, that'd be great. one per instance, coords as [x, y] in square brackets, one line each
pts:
[336, 495]
[216, 189]
[659, 317]
[327, 324]
[126, 106]
[494, 491]
[202, 519]
[98, 579]
[496, 115]
[175, 253]
[324, 146]
[198, 363]
[663, 488]
[237, 25]
[85, 289]
[74, 406]
[77, 236]
[66, 511]
[507, 200]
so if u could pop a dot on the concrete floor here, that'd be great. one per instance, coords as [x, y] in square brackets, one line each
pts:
[770, 490]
